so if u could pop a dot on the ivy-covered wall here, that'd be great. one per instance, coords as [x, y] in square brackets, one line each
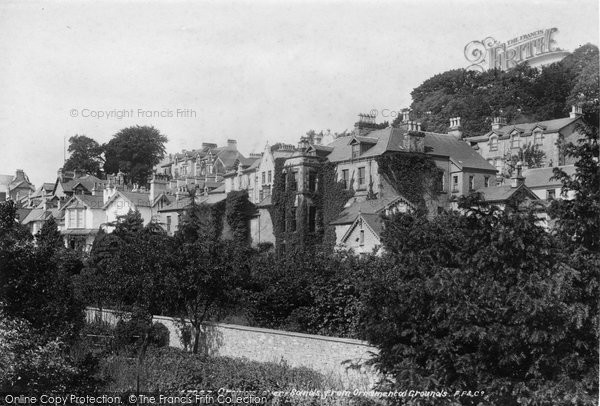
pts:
[327, 200]
[413, 175]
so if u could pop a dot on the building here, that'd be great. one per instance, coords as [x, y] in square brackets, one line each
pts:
[15, 187]
[541, 181]
[504, 141]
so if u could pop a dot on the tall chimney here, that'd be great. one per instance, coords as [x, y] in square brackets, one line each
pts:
[517, 178]
[498, 122]
[232, 144]
[455, 129]
[576, 112]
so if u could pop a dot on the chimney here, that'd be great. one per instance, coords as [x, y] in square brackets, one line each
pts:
[498, 122]
[517, 178]
[576, 112]
[455, 129]
[364, 125]
[405, 115]
[232, 144]
[414, 139]
[208, 145]
[96, 190]
[109, 191]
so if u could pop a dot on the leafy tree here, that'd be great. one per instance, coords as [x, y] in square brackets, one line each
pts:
[134, 151]
[48, 236]
[531, 155]
[482, 300]
[578, 219]
[86, 154]
[209, 275]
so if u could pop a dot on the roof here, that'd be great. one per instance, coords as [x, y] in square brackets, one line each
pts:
[212, 199]
[499, 194]
[177, 204]
[391, 139]
[220, 189]
[267, 201]
[89, 201]
[540, 177]
[460, 151]
[375, 206]
[373, 222]
[87, 181]
[548, 126]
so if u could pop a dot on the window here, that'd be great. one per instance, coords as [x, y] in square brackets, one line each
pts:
[455, 183]
[312, 218]
[361, 176]
[269, 177]
[498, 164]
[261, 195]
[494, 143]
[293, 223]
[537, 138]
[294, 184]
[168, 224]
[312, 181]
[76, 218]
[515, 142]
[264, 177]
[361, 238]
[355, 150]
[550, 194]
[471, 183]
[486, 181]
[441, 180]
[345, 178]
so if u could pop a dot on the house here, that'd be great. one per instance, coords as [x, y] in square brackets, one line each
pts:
[84, 214]
[514, 194]
[15, 187]
[504, 141]
[257, 176]
[541, 181]
[69, 183]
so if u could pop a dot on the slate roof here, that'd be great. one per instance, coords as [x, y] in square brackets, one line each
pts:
[87, 181]
[548, 126]
[349, 214]
[499, 194]
[374, 221]
[391, 140]
[267, 201]
[177, 205]
[460, 151]
[540, 177]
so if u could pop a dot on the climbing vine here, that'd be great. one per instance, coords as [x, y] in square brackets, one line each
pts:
[413, 175]
[327, 200]
[238, 212]
[331, 200]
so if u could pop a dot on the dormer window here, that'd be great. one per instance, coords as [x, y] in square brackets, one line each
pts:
[355, 150]
[515, 141]
[538, 137]
[494, 143]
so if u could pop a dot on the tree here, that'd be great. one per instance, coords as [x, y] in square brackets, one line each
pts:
[484, 300]
[578, 219]
[531, 155]
[134, 151]
[86, 154]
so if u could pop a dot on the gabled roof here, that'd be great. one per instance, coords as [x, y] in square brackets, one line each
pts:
[540, 177]
[502, 194]
[371, 220]
[548, 126]
[267, 201]
[459, 151]
[348, 214]
[138, 199]
[88, 201]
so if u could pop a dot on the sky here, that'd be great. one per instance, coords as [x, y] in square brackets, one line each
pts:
[254, 71]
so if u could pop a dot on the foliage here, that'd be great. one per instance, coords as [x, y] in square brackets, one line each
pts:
[522, 94]
[49, 236]
[531, 155]
[134, 151]
[413, 175]
[201, 221]
[332, 198]
[86, 154]
[482, 300]
[578, 219]
[238, 212]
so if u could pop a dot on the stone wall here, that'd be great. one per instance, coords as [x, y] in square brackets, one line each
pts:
[331, 356]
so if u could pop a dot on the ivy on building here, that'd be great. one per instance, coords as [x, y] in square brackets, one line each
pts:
[413, 175]
[291, 210]
[238, 212]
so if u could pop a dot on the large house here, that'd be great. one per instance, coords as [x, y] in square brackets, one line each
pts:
[15, 187]
[504, 141]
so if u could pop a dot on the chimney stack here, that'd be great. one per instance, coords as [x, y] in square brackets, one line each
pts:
[232, 144]
[498, 122]
[405, 115]
[576, 112]
[517, 178]
[455, 129]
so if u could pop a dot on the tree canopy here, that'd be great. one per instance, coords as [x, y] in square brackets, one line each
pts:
[134, 151]
[86, 154]
[522, 94]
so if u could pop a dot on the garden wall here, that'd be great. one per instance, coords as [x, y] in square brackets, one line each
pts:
[330, 356]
